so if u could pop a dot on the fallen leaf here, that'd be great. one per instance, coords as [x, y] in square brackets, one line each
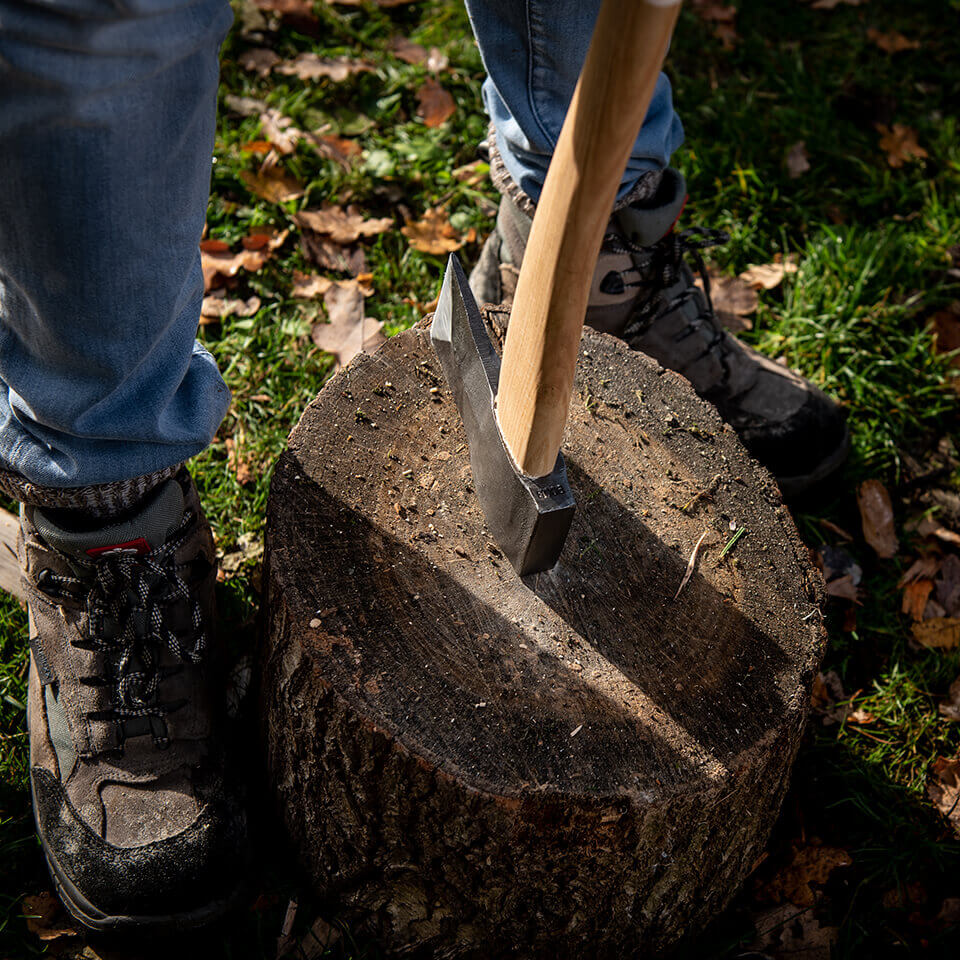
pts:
[786, 933]
[437, 60]
[342, 226]
[938, 633]
[810, 863]
[930, 527]
[766, 276]
[406, 50]
[348, 332]
[915, 597]
[900, 143]
[307, 285]
[216, 308]
[252, 20]
[328, 255]
[950, 707]
[827, 692]
[714, 12]
[280, 131]
[219, 266]
[311, 66]
[834, 528]
[945, 327]
[876, 515]
[891, 42]
[237, 463]
[245, 106]
[435, 104]
[860, 716]
[46, 917]
[257, 146]
[943, 789]
[925, 567]
[258, 60]
[248, 548]
[341, 148]
[265, 238]
[273, 185]
[830, 4]
[797, 160]
[472, 174]
[297, 13]
[842, 587]
[432, 233]
[733, 301]
[948, 585]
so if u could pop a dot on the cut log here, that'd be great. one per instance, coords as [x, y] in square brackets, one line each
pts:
[582, 764]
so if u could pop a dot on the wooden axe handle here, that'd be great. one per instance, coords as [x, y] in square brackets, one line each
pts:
[608, 107]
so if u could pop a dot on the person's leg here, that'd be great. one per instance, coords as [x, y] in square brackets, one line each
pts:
[107, 115]
[533, 53]
[643, 290]
[107, 111]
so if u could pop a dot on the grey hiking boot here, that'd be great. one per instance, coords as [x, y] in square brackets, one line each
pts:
[644, 292]
[127, 774]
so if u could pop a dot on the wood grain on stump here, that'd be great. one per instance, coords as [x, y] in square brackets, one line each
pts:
[579, 764]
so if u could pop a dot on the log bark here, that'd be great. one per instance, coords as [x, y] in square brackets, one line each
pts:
[582, 764]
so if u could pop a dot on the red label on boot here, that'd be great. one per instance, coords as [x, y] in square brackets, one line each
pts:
[136, 547]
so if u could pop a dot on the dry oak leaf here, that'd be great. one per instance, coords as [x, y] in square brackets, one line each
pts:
[876, 515]
[797, 160]
[273, 184]
[259, 60]
[311, 66]
[436, 104]
[811, 863]
[432, 233]
[900, 143]
[733, 300]
[215, 308]
[342, 226]
[943, 789]
[349, 332]
[891, 42]
[915, 597]
[46, 918]
[767, 276]
[328, 255]
[306, 286]
[923, 568]
[938, 633]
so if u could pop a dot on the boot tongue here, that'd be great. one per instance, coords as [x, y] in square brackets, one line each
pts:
[142, 533]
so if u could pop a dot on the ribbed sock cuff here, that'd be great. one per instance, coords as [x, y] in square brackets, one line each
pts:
[101, 500]
[644, 189]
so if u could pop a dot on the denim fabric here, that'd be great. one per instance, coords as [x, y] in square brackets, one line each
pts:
[107, 111]
[533, 51]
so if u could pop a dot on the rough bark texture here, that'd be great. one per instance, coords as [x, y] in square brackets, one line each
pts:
[576, 765]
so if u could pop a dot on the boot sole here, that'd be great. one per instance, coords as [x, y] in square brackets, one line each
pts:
[797, 486]
[95, 920]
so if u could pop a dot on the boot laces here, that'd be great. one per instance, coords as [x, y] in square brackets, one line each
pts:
[659, 267]
[128, 602]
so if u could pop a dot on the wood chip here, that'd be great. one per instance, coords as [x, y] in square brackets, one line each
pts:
[876, 514]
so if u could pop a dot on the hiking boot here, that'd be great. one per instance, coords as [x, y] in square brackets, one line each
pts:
[127, 774]
[643, 292]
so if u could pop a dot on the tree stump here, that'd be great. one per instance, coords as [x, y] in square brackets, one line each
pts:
[581, 764]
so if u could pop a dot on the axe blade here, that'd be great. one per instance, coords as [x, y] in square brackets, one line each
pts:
[529, 517]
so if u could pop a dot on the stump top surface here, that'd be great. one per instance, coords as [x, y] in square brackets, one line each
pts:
[591, 680]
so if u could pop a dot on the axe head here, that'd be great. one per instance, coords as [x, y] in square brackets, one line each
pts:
[528, 516]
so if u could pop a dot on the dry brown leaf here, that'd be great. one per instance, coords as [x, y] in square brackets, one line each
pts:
[257, 146]
[309, 285]
[945, 327]
[328, 255]
[342, 226]
[876, 515]
[406, 50]
[861, 717]
[950, 708]
[733, 300]
[938, 633]
[915, 596]
[216, 308]
[900, 143]
[810, 864]
[766, 276]
[891, 42]
[436, 104]
[259, 60]
[237, 463]
[245, 106]
[714, 12]
[264, 238]
[297, 13]
[948, 585]
[46, 918]
[830, 4]
[824, 698]
[341, 148]
[925, 567]
[218, 266]
[842, 587]
[311, 66]
[797, 160]
[786, 933]
[348, 332]
[273, 184]
[943, 789]
[432, 233]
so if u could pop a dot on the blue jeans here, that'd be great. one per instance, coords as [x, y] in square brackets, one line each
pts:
[107, 114]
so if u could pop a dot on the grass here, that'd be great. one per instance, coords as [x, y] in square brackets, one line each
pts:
[873, 245]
